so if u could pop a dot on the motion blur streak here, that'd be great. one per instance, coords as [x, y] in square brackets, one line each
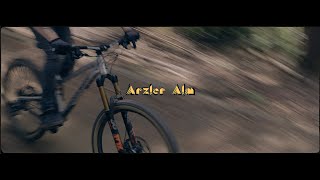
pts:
[251, 94]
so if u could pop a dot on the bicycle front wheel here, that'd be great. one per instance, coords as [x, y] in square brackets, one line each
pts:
[150, 130]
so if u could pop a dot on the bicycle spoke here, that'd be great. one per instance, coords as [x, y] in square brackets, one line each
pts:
[125, 135]
[22, 80]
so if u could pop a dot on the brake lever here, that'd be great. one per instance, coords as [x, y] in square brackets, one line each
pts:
[125, 42]
[134, 44]
[77, 53]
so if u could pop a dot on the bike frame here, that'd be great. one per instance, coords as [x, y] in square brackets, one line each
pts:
[100, 73]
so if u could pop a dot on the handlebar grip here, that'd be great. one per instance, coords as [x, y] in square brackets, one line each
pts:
[104, 47]
[134, 44]
[81, 47]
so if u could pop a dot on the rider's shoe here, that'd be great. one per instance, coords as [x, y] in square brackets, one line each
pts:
[51, 119]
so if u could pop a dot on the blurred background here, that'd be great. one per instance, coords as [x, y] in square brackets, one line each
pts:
[257, 88]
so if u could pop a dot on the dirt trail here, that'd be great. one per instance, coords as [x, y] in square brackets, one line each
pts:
[242, 104]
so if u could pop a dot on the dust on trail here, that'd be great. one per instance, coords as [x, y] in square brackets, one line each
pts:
[242, 103]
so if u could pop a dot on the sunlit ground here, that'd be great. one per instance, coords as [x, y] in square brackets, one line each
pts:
[246, 100]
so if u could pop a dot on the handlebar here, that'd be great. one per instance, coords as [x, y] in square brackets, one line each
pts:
[104, 47]
[77, 53]
[76, 50]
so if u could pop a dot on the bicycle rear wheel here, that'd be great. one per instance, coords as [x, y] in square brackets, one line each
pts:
[150, 131]
[23, 80]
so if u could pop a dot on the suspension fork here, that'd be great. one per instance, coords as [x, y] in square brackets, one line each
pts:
[112, 124]
[127, 122]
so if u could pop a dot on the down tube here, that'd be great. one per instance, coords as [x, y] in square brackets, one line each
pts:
[85, 85]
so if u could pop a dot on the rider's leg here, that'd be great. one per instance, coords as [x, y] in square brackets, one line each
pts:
[51, 116]
[65, 34]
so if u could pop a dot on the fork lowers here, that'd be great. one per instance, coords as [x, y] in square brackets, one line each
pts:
[104, 98]
[109, 114]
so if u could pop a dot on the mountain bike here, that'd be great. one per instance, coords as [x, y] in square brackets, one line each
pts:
[22, 95]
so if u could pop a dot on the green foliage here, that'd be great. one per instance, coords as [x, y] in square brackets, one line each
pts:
[255, 97]
[281, 39]
[216, 35]
[288, 40]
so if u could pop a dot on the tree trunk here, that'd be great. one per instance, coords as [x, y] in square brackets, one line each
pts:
[312, 60]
